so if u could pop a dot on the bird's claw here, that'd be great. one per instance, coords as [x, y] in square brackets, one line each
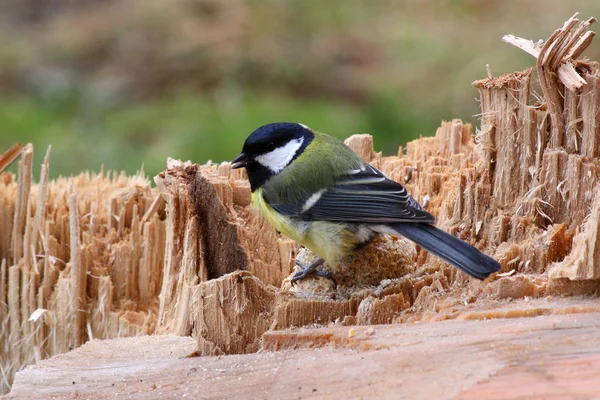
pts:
[311, 269]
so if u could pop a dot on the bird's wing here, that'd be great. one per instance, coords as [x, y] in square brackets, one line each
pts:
[364, 195]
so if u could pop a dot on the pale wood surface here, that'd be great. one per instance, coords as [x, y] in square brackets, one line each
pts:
[554, 357]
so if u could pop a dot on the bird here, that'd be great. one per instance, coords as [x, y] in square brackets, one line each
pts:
[314, 189]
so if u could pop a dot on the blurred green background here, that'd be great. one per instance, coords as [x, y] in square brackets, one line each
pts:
[125, 83]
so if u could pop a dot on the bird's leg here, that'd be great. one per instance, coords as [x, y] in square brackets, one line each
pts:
[312, 269]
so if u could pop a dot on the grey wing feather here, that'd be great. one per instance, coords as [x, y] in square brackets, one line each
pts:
[364, 196]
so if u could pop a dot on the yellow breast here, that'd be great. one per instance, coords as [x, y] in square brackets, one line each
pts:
[328, 240]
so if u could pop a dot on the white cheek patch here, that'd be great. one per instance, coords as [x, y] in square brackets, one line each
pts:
[279, 158]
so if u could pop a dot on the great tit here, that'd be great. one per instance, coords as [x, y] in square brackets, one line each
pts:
[318, 192]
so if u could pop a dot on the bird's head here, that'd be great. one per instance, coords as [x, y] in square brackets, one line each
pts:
[271, 148]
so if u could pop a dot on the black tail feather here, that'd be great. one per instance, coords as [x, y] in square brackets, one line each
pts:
[449, 248]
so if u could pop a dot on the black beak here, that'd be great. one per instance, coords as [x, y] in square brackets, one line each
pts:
[239, 162]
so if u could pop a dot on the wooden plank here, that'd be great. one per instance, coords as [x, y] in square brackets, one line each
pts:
[523, 358]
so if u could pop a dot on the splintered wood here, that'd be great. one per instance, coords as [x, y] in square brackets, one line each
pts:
[80, 258]
[524, 189]
[102, 256]
[211, 231]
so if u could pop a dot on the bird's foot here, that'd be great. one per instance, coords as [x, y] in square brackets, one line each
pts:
[312, 269]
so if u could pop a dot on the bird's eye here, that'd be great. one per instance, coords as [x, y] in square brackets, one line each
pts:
[271, 146]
